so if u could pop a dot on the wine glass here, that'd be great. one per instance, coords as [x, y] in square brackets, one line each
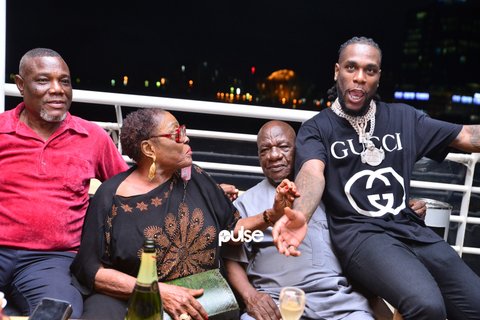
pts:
[292, 303]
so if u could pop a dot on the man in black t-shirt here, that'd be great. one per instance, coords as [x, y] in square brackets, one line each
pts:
[364, 150]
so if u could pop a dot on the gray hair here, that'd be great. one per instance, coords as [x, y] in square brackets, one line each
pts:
[34, 53]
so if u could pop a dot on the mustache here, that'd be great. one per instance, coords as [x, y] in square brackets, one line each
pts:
[364, 92]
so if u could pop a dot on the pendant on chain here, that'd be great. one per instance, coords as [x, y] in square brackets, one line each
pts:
[372, 155]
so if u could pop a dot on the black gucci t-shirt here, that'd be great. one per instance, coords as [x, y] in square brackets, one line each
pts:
[363, 199]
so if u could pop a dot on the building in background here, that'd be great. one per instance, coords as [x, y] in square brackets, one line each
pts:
[440, 61]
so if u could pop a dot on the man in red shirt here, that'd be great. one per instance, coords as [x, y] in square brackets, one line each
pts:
[47, 158]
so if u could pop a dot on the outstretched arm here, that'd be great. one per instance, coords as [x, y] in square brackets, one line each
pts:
[310, 183]
[290, 230]
[468, 139]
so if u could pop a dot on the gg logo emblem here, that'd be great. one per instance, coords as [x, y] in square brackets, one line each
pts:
[376, 199]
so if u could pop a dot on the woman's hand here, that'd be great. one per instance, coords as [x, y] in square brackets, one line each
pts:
[179, 300]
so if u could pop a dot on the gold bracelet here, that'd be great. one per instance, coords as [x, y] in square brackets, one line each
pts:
[266, 218]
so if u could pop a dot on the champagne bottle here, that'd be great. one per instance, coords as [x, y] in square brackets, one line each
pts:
[145, 302]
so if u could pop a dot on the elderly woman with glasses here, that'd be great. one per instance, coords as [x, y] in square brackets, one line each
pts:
[164, 197]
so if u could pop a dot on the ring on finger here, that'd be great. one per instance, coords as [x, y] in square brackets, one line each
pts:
[185, 316]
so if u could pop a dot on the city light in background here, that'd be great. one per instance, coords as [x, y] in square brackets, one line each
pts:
[273, 54]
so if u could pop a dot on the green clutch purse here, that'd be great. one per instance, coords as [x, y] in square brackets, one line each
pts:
[217, 299]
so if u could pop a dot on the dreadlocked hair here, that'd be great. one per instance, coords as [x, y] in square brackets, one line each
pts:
[332, 93]
[360, 40]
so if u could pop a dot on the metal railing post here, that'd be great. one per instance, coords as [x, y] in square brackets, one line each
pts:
[117, 100]
[465, 205]
[119, 117]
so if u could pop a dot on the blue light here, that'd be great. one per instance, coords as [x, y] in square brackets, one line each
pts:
[398, 94]
[422, 96]
[476, 98]
[409, 95]
[467, 99]
[456, 98]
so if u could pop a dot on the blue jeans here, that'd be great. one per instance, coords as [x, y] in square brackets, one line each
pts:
[423, 281]
[28, 276]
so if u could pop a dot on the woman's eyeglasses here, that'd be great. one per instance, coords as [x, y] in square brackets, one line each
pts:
[178, 136]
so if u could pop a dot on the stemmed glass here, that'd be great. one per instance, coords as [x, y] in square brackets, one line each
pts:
[292, 303]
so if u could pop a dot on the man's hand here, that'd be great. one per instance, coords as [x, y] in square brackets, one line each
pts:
[289, 231]
[419, 207]
[262, 307]
[285, 194]
[230, 191]
[179, 300]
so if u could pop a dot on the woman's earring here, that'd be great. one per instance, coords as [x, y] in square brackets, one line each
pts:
[153, 170]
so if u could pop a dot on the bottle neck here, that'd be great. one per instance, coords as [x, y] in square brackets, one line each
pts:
[148, 269]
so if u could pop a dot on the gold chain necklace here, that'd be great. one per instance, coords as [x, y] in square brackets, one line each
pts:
[358, 123]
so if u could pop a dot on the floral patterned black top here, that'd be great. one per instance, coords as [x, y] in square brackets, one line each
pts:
[184, 219]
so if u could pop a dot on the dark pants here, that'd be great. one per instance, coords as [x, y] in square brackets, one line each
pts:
[28, 276]
[102, 307]
[423, 281]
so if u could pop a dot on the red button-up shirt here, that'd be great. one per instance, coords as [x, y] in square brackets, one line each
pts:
[44, 184]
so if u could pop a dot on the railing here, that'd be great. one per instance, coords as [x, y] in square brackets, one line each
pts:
[194, 106]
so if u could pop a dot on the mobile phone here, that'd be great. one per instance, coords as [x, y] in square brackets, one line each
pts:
[51, 309]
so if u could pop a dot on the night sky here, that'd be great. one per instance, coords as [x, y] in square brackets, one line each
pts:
[101, 39]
